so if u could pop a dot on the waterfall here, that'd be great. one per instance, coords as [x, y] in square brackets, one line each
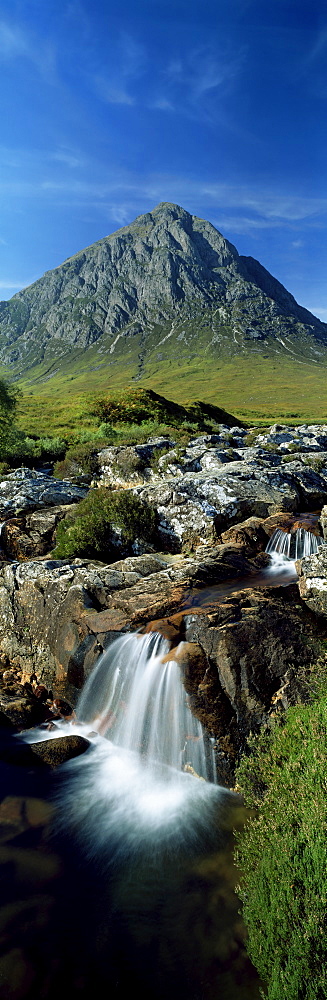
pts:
[149, 906]
[138, 702]
[294, 545]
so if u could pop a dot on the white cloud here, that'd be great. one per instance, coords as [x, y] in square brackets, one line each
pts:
[13, 42]
[13, 284]
[67, 158]
[110, 93]
[131, 60]
[189, 81]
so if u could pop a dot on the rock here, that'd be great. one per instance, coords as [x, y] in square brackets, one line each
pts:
[252, 533]
[253, 645]
[313, 581]
[33, 535]
[308, 437]
[323, 522]
[57, 617]
[197, 507]
[55, 752]
[26, 490]
[124, 465]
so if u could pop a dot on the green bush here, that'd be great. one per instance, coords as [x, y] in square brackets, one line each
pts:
[106, 522]
[17, 448]
[80, 459]
[282, 854]
[9, 395]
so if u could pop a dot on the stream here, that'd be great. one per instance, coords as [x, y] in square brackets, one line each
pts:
[146, 833]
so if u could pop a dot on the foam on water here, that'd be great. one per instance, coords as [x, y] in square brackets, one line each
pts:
[138, 702]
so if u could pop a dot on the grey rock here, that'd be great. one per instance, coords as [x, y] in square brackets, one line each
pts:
[26, 490]
[157, 287]
[313, 581]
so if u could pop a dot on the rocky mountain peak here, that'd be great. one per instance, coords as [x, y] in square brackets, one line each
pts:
[166, 285]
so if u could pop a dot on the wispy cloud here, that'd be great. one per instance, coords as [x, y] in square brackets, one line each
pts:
[67, 158]
[110, 93]
[17, 44]
[118, 85]
[191, 81]
[319, 47]
[63, 176]
[16, 285]
[13, 42]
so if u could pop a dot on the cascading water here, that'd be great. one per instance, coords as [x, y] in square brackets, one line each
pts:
[285, 548]
[138, 702]
[294, 545]
[152, 843]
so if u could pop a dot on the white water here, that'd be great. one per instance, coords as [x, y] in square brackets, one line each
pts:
[285, 548]
[139, 703]
[294, 545]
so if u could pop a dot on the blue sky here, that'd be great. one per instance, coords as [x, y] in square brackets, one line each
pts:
[218, 105]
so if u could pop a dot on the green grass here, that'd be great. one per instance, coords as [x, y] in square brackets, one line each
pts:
[256, 390]
[282, 852]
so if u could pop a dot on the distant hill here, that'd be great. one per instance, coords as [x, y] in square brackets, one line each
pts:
[165, 290]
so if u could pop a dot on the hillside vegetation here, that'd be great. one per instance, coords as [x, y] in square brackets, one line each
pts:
[254, 390]
[282, 852]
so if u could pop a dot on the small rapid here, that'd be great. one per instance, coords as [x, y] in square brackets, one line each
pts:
[294, 545]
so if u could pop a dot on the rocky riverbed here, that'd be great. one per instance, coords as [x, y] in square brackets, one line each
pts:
[218, 500]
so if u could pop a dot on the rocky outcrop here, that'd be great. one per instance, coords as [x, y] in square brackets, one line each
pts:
[197, 507]
[313, 581]
[160, 288]
[243, 649]
[32, 535]
[26, 490]
[56, 617]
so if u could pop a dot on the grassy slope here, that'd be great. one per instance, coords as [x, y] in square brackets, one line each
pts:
[253, 388]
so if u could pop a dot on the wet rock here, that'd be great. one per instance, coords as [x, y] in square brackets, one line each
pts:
[57, 617]
[55, 752]
[251, 533]
[254, 646]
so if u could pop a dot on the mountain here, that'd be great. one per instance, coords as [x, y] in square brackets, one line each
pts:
[165, 289]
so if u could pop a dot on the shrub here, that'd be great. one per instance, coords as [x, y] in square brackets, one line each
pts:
[79, 459]
[17, 448]
[282, 853]
[8, 405]
[106, 520]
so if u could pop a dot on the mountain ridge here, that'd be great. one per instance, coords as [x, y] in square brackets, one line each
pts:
[166, 287]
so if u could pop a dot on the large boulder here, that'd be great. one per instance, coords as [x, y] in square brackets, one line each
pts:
[313, 581]
[33, 534]
[196, 507]
[26, 490]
